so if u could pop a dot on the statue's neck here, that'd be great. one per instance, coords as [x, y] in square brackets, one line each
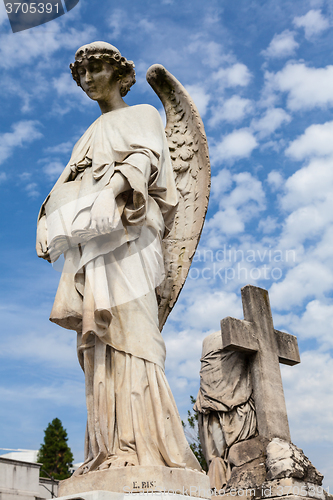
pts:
[115, 102]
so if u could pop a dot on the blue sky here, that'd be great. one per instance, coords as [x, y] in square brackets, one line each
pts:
[261, 74]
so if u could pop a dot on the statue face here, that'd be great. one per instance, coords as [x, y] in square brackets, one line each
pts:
[97, 78]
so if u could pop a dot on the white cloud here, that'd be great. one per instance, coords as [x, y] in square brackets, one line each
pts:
[244, 202]
[53, 169]
[69, 393]
[307, 88]
[236, 75]
[313, 23]
[221, 183]
[200, 97]
[3, 177]
[231, 110]
[275, 180]
[214, 53]
[32, 190]
[323, 250]
[119, 21]
[197, 315]
[248, 188]
[25, 176]
[201, 313]
[228, 221]
[24, 132]
[308, 198]
[282, 45]
[62, 148]
[308, 390]
[53, 347]
[116, 22]
[307, 224]
[206, 311]
[238, 144]
[147, 26]
[310, 184]
[315, 323]
[268, 225]
[273, 119]
[317, 140]
[41, 43]
[65, 85]
[306, 280]
[3, 14]
[30, 89]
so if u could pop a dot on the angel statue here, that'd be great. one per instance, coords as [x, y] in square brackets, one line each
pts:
[127, 213]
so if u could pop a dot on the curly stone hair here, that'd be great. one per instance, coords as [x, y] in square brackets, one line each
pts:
[104, 51]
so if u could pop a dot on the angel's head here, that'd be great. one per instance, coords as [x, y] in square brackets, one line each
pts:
[98, 55]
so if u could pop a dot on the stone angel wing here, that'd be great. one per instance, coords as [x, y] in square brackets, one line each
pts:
[190, 159]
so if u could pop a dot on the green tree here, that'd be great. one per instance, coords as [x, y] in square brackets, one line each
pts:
[55, 455]
[192, 435]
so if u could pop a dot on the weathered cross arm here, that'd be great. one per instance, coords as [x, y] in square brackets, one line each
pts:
[287, 348]
[239, 335]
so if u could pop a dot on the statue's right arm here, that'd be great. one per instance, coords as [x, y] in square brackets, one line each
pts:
[41, 240]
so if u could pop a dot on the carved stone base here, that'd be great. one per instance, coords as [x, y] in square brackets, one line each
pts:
[256, 462]
[283, 489]
[139, 479]
[108, 495]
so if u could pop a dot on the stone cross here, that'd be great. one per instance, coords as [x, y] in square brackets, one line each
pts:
[267, 347]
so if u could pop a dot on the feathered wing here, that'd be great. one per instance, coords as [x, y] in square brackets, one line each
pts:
[190, 159]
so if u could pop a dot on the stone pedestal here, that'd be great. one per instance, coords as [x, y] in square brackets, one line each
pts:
[139, 479]
[283, 489]
[108, 495]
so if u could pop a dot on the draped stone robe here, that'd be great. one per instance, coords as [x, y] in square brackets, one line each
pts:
[225, 406]
[107, 288]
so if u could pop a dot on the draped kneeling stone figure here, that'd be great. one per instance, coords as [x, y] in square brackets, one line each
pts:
[243, 424]
[116, 214]
[225, 406]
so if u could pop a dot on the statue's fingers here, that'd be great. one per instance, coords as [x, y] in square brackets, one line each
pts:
[44, 247]
[40, 252]
[102, 225]
[112, 223]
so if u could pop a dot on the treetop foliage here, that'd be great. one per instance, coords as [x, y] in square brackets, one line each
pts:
[55, 455]
[192, 435]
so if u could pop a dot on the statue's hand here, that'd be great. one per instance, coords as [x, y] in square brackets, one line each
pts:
[41, 240]
[103, 212]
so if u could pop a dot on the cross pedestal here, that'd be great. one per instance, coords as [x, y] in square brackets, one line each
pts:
[267, 348]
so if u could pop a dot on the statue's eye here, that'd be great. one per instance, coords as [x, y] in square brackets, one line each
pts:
[81, 71]
[96, 67]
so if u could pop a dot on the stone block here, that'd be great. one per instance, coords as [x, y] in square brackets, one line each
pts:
[282, 489]
[248, 475]
[108, 495]
[246, 451]
[139, 479]
[286, 460]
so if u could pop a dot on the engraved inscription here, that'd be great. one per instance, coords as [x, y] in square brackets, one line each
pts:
[143, 485]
